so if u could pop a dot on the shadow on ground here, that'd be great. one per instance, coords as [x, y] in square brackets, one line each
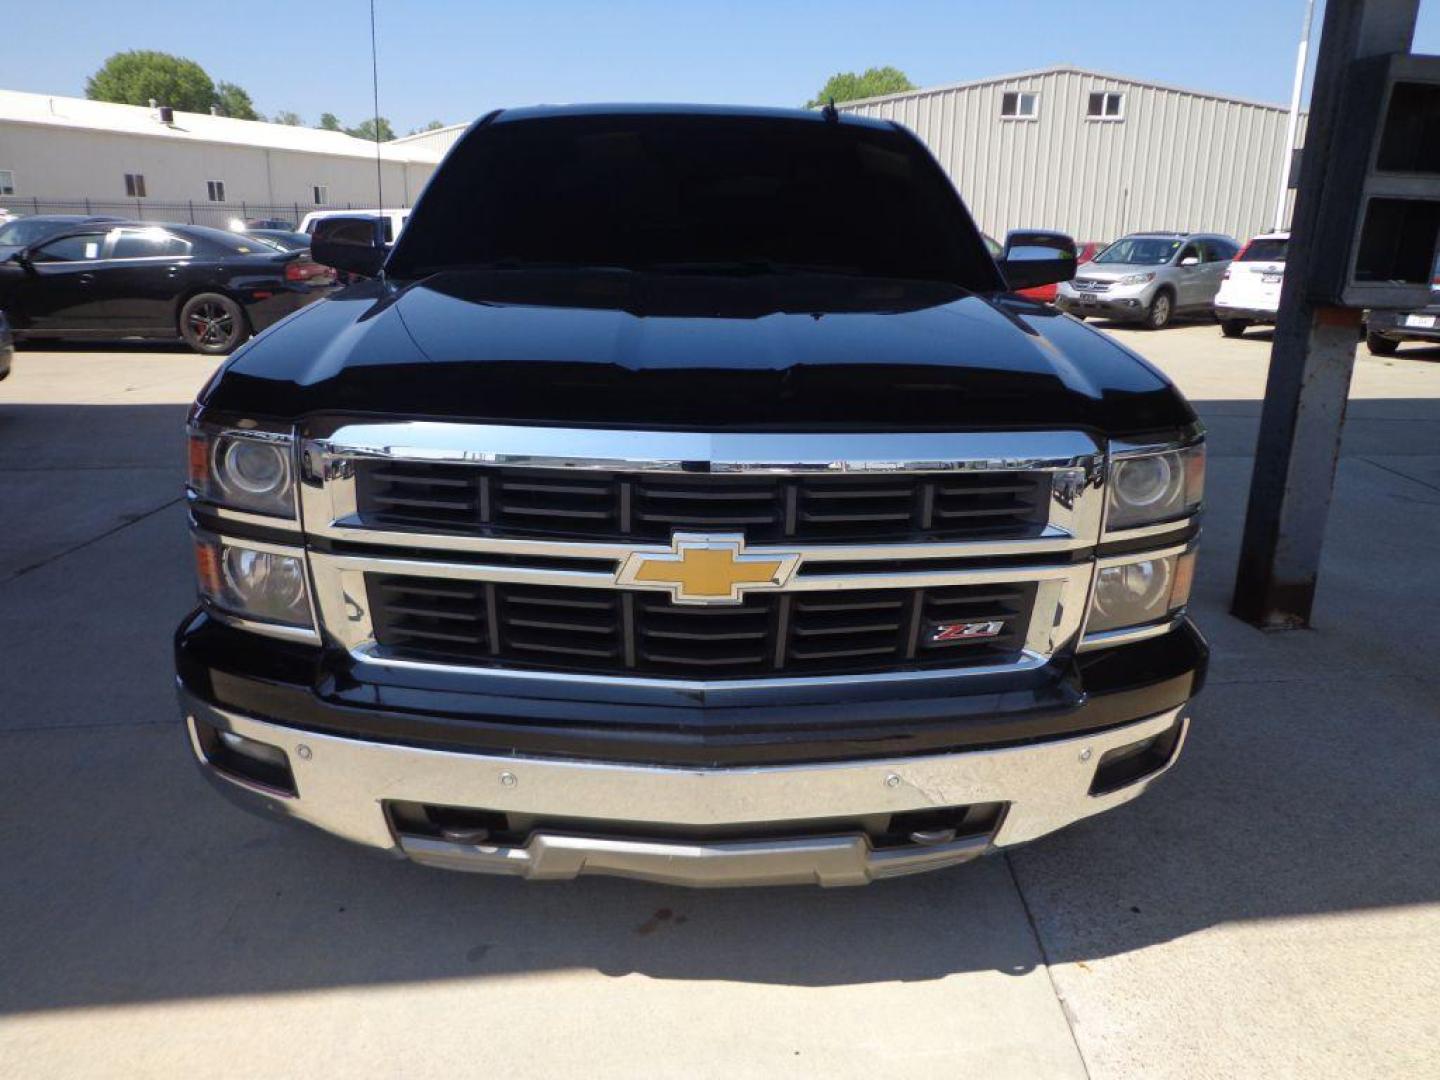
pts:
[1308, 788]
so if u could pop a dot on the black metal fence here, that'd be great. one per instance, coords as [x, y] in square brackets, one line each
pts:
[215, 214]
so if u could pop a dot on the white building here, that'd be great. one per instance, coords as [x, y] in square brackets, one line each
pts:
[438, 140]
[1098, 155]
[60, 154]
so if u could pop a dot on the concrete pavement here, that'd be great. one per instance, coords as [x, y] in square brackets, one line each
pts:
[1271, 909]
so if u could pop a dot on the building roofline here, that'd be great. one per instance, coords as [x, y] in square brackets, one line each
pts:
[24, 108]
[443, 128]
[1060, 69]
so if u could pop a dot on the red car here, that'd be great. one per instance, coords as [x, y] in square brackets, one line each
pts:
[1046, 293]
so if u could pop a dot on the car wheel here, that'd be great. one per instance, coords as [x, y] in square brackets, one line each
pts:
[213, 324]
[1234, 327]
[1380, 346]
[1162, 310]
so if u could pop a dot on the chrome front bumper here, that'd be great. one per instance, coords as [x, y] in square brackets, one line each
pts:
[343, 784]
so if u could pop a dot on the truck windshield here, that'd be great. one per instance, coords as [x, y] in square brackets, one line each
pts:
[694, 193]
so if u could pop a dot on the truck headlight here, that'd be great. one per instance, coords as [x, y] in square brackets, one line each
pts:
[1134, 592]
[243, 470]
[1148, 488]
[259, 582]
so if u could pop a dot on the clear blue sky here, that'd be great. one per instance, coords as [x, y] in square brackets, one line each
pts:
[453, 60]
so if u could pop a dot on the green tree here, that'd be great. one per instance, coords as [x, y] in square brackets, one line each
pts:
[330, 122]
[287, 117]
[234, 102]
[367, 130]
[872, 82]
[431, 126]
[133, 78]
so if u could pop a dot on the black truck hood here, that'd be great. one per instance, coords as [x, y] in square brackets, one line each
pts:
[764, 352]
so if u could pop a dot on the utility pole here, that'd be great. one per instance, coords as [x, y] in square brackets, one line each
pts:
[1315, 341]
[1282, 182]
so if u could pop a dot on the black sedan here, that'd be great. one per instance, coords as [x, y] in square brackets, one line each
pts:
[287, 239]
[7, 347]
[28, 231]
[211, 288]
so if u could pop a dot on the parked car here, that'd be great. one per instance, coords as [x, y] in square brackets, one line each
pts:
[1150, 278]
[1085, 253]
[268, 224]
[23, 232]
[1250, 288]
[7, 347]
[285, 239]
[690, 501]
[1385, 330]
[209, 287]
[394, 220]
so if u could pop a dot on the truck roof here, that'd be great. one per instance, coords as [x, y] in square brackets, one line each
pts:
[538, 112]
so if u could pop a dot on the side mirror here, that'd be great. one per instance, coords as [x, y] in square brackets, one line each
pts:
[22, 259]
[1190, 260]
[355, 245]
[1037, 258]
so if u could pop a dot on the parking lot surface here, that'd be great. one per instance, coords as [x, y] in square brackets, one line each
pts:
[1272, 908]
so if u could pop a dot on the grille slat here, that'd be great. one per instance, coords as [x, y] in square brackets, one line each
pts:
[637, 632]
[641, 506]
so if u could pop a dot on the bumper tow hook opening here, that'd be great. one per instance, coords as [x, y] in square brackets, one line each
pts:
[932, 837]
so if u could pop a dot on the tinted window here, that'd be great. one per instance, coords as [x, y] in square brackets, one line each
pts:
[1218, 250]
[71, 248]
[1265, 251]
[29, 231]
[147, 244]
[1192, 251]
[1140, 251]
[654, 191]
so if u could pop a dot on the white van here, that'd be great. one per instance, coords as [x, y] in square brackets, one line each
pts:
[394, 220]
[1250, 290]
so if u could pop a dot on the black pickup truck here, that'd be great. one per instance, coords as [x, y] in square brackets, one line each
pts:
[686, 496]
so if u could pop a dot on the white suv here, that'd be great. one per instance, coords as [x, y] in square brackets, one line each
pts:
[1250, 290]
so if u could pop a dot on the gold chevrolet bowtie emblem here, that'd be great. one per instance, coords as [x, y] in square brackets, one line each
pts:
[704, 569]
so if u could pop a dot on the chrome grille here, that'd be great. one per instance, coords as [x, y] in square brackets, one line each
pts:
[650, 506]
[508, 549]
[630, 632]
[1090, 284]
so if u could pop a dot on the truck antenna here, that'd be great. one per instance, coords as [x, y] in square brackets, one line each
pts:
[375, 91]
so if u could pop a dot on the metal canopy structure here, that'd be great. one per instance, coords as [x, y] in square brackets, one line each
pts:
[1315, 340]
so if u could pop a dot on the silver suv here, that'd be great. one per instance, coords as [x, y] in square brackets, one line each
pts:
[1150, 278]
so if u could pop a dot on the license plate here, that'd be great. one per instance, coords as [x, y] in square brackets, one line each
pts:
[1089, 298]
[1420, 322]
[1270, 279]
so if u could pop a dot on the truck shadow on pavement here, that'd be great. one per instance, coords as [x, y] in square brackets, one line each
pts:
[1307, 789]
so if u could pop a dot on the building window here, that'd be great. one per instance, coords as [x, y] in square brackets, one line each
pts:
[322, 194]
[1106, 106]
[1019, 106]
[216, 190]
[7, 182]
[135, 185]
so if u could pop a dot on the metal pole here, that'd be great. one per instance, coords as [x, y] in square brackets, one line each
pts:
[1282, 182]
[1314, 351]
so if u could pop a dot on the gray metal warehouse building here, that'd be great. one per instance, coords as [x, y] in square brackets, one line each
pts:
[1098, 155]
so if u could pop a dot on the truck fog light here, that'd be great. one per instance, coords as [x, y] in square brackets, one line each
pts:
[251, 581]
[250, 761]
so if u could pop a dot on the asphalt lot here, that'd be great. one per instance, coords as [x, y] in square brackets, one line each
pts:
[1271, 909]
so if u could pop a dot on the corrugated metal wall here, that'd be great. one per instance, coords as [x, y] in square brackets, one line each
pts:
[1177, 160]
[440, 140]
